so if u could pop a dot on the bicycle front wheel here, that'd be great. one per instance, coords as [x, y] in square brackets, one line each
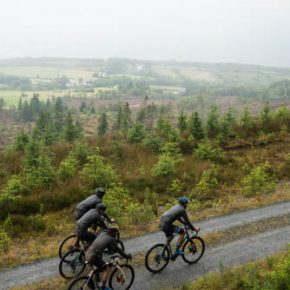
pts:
[67, 245]
[82, 283]
[72, 264]
[193, 250]
[122, 277]
[157, 258]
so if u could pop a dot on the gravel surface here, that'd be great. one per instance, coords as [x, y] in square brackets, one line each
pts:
[34, 272]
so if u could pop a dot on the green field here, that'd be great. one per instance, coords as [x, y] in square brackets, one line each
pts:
[46, 72]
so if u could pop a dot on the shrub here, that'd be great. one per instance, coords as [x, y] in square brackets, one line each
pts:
[68, 168]
[165, 165]
[139, 213]
[175, 187]
[258, 181]
[96, 172]
[207, 186]
[167, 161]
[206, 150]
[37, 223]
[13, 187]
[5, 240]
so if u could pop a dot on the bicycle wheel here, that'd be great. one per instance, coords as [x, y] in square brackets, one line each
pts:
[157, 258]
[122, 278]
[82, 283]
[193, 250]
[67, 245]
[72, 264]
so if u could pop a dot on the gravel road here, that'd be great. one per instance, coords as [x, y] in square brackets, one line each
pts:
[28, 274]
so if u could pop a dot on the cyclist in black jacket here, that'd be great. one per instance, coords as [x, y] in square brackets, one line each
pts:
[177, 212]
[89, 203]
[93, 218]
[106, 240]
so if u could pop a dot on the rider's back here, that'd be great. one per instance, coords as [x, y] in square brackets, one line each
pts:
[89, 203]
[174, 213]
[92, 217]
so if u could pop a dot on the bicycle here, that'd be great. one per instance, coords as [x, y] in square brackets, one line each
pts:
[70, 242]
[158, 256]
[72, 264]
[121, 278]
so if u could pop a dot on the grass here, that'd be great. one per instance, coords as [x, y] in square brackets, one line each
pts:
[270, 273]
[46, 72]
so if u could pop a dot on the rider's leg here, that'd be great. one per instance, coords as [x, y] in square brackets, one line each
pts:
[180, 239]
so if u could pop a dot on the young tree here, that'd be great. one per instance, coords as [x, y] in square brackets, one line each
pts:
[136, 133]
[195, 126]
[213, 122]
[182, 121]
[103, 125]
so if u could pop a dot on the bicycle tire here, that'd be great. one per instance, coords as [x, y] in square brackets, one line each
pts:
[66, 245]
[78, 282]
[72, 264]
[157, 258]
[116, 278]
[191, 245]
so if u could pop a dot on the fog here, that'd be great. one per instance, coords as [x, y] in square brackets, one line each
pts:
[240, 31]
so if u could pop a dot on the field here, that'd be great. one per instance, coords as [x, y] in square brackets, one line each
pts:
[37, 72]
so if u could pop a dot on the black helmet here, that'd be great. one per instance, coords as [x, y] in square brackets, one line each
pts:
[101, 207]
[100, 192]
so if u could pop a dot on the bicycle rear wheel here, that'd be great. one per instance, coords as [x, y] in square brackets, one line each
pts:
[122, 278]
[72, 264]
[157, 258]
[193, 250]
[67, 245]
[82, 283]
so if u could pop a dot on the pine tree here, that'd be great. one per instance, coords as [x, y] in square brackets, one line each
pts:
[195, 126]
[103, 125]
[213, 123]
[70, 133]
[182, 121]
[136, 133]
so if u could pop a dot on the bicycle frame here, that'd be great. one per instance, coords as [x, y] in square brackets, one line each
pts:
[187, 237]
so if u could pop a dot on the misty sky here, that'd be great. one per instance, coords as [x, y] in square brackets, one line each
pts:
[243, 31]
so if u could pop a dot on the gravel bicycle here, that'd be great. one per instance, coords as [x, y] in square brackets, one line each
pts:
[121, 277]
[69, 243]
[158, 256]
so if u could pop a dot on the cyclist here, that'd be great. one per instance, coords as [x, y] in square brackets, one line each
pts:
[106, 240]
[177, 212]
[92, 218]
[89, 203]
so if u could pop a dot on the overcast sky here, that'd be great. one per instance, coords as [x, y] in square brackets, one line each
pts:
[243, 31]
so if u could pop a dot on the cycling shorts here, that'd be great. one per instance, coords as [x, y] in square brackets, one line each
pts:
[170, 229]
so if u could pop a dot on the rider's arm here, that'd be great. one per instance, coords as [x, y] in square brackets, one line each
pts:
[106, 217]
[114, 246]
[100, 222]
[187, 221]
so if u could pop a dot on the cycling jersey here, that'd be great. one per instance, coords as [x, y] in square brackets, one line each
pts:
[87, 204]
[102, 242]
[177, 212]
[92, 218]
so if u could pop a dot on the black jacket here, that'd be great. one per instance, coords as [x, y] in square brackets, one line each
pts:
[103, 241]
[92, 218]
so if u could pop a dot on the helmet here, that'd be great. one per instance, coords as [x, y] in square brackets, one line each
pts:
[113, 229]
[100, 192]
[101, 207]
[183, 200]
